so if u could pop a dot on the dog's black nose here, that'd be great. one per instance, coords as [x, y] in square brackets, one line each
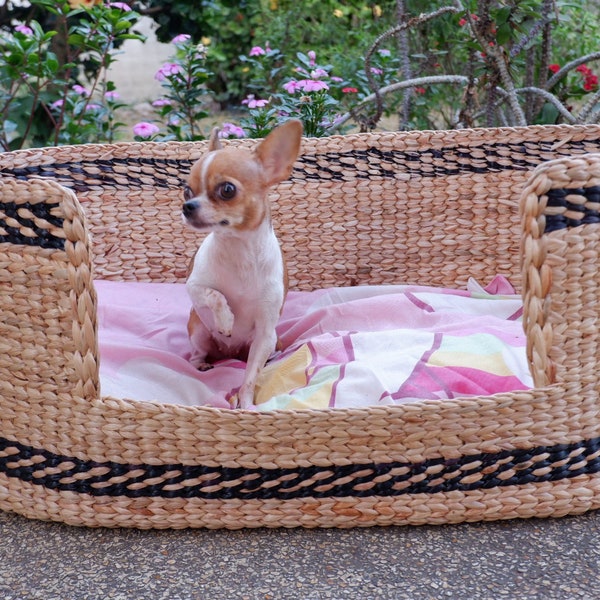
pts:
[189, 207]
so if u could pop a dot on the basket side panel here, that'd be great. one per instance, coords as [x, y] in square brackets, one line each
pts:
[48, 345]
[561, 252]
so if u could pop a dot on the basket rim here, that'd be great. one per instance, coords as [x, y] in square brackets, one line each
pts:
[455, 135]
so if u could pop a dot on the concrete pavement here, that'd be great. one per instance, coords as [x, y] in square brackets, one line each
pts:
[521, 560]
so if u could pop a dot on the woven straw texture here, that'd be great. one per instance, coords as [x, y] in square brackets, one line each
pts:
[430, 208]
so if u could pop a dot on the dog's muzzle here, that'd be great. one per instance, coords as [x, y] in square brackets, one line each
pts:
[189, 208]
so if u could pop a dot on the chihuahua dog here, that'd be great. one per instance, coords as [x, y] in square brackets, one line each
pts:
[238, 280]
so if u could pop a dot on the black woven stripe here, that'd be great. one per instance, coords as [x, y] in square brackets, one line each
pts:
[123, 173]
[433, 162]
[575, 207]
[484, 471]
[28, 233]
[370, 163]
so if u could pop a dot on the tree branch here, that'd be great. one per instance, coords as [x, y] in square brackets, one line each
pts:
[423, 18]
[401, 85]
[497, 55]
[544, 94]
[404, 49]
[587, 108]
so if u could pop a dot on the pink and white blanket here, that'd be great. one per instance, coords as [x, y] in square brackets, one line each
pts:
[342, 347]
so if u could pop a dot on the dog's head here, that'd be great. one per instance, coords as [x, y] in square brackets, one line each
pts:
[227, 187]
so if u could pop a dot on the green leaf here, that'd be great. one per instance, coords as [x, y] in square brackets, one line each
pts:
[133, 36]
[504, 34]
[548, 115]
[77, 39]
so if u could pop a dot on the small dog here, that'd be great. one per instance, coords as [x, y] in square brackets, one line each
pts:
[238, 280]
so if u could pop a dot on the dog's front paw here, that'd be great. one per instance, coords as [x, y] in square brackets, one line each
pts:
[200, 364]
[224, 320]
[246, 398]
[204, 366]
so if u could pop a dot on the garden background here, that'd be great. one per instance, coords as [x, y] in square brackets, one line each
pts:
[337, 65]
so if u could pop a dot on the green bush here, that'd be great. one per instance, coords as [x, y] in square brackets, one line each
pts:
[42, 99]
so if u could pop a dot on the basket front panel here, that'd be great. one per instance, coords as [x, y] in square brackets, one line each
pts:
[537, 476]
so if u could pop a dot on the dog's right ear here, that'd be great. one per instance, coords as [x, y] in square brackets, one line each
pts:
[214, 143]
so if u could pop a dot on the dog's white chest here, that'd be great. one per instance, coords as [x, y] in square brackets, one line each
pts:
[248, 275]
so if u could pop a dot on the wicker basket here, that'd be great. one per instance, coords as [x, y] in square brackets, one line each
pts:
[422, 207]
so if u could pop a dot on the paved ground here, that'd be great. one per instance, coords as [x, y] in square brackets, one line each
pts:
[520, 560]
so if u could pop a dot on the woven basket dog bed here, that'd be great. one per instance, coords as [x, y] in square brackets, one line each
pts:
[433, 208]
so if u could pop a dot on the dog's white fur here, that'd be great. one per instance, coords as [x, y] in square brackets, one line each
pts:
[238, 280]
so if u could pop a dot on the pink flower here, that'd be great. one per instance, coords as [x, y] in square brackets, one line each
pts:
[349, 90]
[145, 130]
[79, 89]
[376, 71]
[112, 96]
[182, 38]
[120, 5]
[24, 29]
[92, 107]
[161, 102]
[384, 52]
[253, 102]
[57, 103]
[257, 51]
[167, 70]
[310, 85]
[291, 86]
[230, 130]
[312, 56]
[318, 73]
[337, 79]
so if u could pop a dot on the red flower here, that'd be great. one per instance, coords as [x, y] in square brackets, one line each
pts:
[590, 83]
[420, 90]
[464, 21]
[554, 68]
[349, 90]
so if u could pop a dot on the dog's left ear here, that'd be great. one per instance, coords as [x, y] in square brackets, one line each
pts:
[279, 150]
[214, 143]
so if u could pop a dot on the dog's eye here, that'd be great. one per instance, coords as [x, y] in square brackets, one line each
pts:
[188, 193]
[226, 191]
